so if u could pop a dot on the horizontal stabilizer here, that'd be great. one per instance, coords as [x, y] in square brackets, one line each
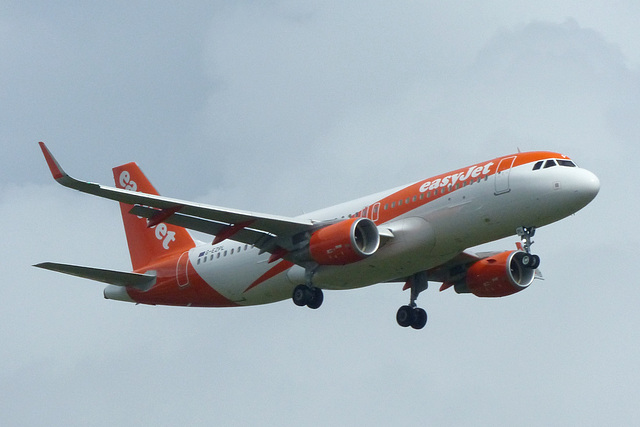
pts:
[142, 282]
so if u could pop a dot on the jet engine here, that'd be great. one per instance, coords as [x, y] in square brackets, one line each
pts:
[498, 275]
[345, 242]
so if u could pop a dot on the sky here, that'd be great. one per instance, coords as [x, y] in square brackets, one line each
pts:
[283, 108]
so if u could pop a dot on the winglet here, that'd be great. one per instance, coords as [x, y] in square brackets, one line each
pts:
[57, 172]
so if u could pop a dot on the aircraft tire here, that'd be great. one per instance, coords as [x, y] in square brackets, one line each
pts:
[535, 262]
[420, 318]
[301, 295]
[316, 298]
[405, 316]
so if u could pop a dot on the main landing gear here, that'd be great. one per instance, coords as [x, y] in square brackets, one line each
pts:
[308, 294]
[528, 260]
[412, 315]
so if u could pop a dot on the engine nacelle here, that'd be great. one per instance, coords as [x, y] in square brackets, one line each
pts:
[497, 276]
[345, 242]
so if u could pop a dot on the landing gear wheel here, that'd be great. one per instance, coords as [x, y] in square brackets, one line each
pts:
[316, 298]
[411, 316]
[530, 261]
[420, 318]
[301, 295]
[304, 295]
[535, 262]
[405, 316]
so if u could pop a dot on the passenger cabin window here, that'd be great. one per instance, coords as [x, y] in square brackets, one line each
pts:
[567, 163]
[538, 165]
[550, 164]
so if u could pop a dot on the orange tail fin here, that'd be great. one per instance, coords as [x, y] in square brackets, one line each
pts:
[147, 244]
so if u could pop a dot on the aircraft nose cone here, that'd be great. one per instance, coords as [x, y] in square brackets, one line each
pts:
[591, 185]
[585, 186]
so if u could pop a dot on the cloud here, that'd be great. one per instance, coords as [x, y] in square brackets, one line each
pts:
[291, 106]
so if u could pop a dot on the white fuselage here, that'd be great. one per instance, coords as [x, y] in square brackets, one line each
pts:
[464, 214]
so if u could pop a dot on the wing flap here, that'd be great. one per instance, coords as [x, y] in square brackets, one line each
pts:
[142, 282]
[244, 235]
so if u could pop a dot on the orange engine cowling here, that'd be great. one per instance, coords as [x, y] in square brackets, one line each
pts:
[497, 276]
[348, 241]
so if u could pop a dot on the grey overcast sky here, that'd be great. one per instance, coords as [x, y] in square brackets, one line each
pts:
[285, 107]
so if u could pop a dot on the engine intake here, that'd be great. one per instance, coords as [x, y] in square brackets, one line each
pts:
[497, 276]
[346, 242]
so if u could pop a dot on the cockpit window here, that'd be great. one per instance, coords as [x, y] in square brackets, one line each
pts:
[538, 165]
[550, 164]
[567, 163]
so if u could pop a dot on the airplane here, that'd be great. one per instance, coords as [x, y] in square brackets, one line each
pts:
[412, 234]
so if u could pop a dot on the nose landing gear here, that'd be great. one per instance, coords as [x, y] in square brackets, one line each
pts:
[528, 260]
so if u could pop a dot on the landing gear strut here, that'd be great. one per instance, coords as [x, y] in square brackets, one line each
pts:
[528, 260]
[412, 315]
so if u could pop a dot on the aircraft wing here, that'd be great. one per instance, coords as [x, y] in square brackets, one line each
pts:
[244, 226]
